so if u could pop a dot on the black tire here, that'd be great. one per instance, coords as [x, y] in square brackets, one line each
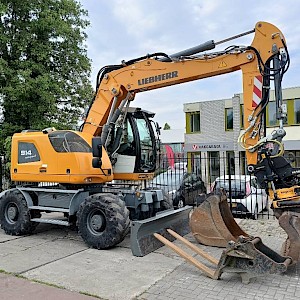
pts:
[15, 215]
[103, 220]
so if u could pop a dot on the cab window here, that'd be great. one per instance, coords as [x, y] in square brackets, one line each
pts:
[67, 141]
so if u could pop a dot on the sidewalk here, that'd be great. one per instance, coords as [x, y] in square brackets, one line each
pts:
[187, 283]
[14, 288]
[58, 257]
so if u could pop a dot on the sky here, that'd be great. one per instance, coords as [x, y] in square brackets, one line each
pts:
[127, 29]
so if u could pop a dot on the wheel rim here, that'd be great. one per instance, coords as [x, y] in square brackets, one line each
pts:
[11, 213]
[96, 222]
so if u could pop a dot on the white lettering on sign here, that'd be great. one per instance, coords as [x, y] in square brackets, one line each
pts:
[26, 152]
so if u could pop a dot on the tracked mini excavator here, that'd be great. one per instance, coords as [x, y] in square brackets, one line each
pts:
[92, 171]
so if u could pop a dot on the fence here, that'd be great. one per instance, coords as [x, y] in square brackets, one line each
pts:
[228, 173]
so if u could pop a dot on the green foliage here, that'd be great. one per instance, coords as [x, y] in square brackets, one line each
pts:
[167, 126]
[7, 155]
[44, 69]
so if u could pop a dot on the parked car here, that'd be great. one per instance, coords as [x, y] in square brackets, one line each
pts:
[179, 166]
[180, 186]
[246, 197]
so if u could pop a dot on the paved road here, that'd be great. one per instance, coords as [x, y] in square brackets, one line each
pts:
[58, 257]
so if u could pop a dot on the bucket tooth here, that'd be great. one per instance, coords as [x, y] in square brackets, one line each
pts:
[212, 223]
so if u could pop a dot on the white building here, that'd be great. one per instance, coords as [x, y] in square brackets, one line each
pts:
[213, 128]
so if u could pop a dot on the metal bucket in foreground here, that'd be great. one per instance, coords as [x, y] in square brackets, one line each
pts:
[212, 223]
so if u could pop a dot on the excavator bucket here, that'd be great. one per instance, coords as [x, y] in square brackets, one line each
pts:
[212, 223]
[142, 239]
[290, 222]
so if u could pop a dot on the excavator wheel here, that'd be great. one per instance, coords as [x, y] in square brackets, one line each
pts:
[212, 223]
[15, 215]
[103, 220]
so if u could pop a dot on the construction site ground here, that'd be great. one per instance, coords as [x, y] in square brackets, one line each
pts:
[54, 263]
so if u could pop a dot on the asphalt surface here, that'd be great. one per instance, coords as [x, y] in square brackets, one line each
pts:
[54, 263]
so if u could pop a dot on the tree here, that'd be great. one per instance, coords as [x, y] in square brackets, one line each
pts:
[167, 126]
[44, 69]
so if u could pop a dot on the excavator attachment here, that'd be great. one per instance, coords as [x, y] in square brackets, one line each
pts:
[248, 257]
[212, 223]
[290, 222]
[141, 236]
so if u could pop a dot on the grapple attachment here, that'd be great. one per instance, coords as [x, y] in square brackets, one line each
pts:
[251, 258]
[212, 223]
[248, 257]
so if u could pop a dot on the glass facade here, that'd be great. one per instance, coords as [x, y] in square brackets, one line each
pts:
[242, 115]
[214, 164]
[230, 163]
[297, 111]
[271, 114]
[229, 118]
[195, 122]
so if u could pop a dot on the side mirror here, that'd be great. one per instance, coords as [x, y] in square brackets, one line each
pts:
[97, 152]
[97, 146]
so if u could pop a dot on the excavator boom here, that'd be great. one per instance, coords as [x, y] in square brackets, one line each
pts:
[265, 60]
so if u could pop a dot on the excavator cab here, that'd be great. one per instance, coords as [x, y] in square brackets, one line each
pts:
[134, 147]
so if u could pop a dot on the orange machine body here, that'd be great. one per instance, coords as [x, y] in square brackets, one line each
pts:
[36, 159]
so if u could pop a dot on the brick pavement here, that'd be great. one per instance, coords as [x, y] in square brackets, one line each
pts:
[187, 282]
[178, 279]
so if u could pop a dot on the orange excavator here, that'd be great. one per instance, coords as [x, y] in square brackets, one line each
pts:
[117, 144]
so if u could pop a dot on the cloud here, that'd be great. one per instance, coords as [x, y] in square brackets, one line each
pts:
[131, 13]
[126, 29]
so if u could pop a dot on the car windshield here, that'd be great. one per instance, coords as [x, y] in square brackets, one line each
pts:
[239, 188]
[168, 181]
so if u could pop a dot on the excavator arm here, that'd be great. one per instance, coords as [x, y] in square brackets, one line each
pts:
[118, 85]
[265, 60]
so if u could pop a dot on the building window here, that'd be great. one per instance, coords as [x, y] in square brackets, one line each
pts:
[271, 114]
[195, 121]
[228, 118]
[242, 162]
[196, 162]
[293, 157]
[271, 117]
[297, 111]
[230, 169]
[242, 116]
[214, 165]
